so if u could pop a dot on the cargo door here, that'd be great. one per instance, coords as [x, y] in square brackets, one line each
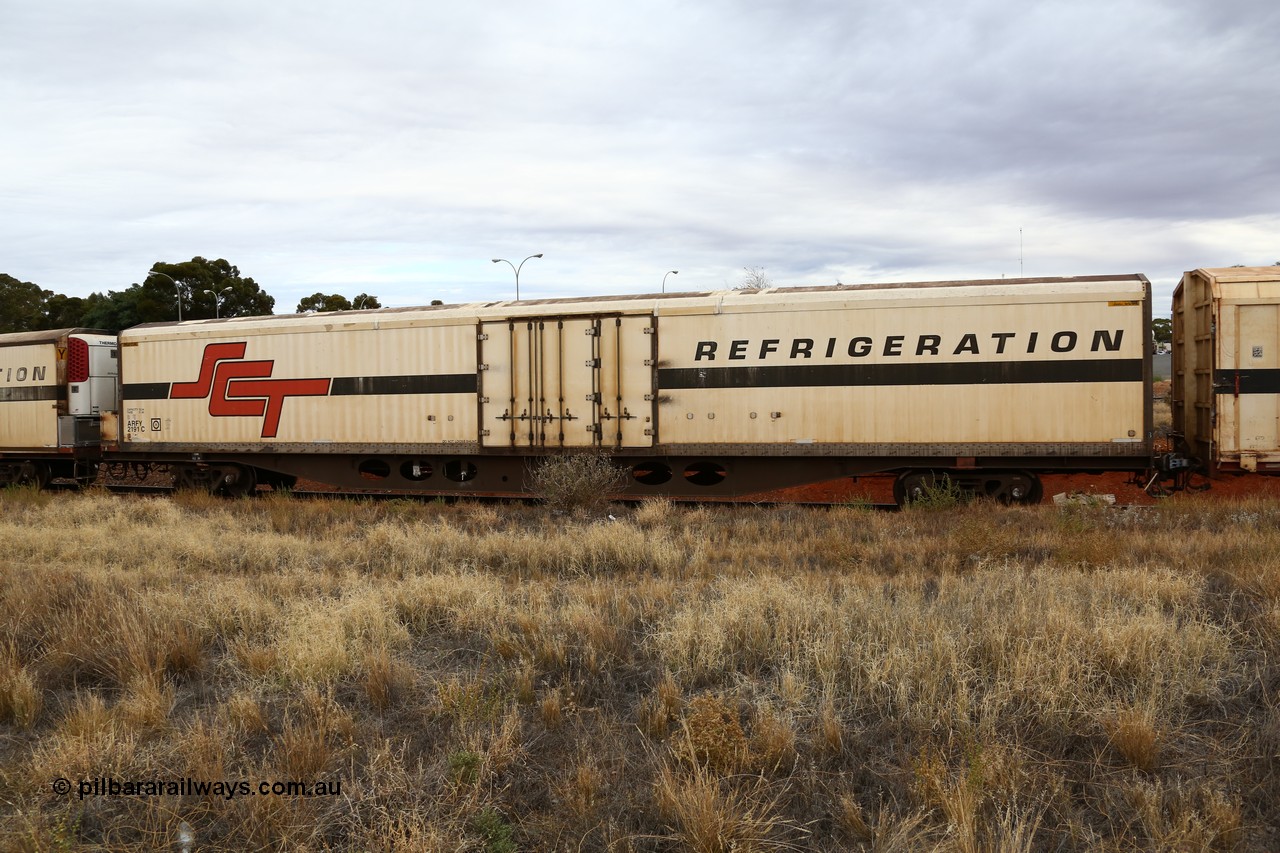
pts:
[567, 382]
[1255, 381]
[626, 381]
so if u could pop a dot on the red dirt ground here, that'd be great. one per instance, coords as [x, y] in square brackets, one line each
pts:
[879, 489]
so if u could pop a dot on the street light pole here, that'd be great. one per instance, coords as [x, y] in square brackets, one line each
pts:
[664, 278]
[217, 301]
[517, 270]
[177, 286]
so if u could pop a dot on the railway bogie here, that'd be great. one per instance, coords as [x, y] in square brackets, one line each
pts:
[1006, 487]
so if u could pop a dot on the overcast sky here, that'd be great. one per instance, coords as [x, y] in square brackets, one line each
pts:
[397, 147]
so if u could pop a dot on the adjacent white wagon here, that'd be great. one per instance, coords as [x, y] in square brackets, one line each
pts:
[54, 388]
[1226, 367]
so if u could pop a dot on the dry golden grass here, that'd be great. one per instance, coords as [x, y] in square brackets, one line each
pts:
[499, 678]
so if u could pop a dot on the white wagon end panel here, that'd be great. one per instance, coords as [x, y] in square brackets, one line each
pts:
[1226, 364]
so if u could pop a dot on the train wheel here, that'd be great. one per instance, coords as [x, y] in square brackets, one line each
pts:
[906, 487]
[234, 481]
[186, 477]
[1017, 488]
[943, 488]
[923, 486]
[32, 474]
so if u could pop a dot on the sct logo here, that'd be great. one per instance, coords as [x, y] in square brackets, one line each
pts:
[237, 388]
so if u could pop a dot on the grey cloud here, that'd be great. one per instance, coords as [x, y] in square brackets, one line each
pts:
[815, 139]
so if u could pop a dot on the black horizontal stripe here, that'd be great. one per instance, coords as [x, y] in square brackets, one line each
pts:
[449, 383]
[145, 391]
[1251, 381]
[346, 386]
[28, 393]
[915, 373]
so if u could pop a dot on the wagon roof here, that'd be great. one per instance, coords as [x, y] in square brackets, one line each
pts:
[523, 306]
[1242, 273]
[44, 336]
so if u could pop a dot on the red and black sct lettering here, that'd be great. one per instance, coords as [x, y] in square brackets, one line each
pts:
[238, 388]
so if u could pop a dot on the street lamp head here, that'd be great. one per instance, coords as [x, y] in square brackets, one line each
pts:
[176, 284]
[516, 269]
[217, 300]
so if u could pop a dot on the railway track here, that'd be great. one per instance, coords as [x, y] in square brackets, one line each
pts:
[870, 492]
[151, 490]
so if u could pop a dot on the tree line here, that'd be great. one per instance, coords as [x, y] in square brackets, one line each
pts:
[198, 289]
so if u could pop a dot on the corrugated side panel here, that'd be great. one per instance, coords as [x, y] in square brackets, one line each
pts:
[1065, 370]
[362, 386]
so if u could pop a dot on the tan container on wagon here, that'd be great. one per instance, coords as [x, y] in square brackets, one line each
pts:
[1038, 367]
[1226, 367]
[53, 386]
